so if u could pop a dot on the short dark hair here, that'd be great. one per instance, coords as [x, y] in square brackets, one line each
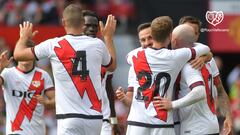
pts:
[161, 28]
[73, 16]
[190, 19]
[90, 13]
[143, 26]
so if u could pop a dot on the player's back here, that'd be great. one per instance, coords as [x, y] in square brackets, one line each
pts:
[156, 72]
[197, 118]
[76, 63]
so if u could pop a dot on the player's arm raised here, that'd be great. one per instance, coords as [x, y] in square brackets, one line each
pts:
[108, 32]
[22, 52]
[4, 62]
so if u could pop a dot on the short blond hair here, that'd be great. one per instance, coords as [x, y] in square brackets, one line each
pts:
[73, 16]
[161, 27]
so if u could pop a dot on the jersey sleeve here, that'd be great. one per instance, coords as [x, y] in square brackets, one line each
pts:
[215, 72]
[191, 76]
[182, 56]
[201, 49]
[131, 77]
[42, 50]
[106, 59]
[214, 68]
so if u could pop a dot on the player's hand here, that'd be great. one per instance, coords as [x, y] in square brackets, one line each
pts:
[162, 103]
[198, 63]
[120, 94]
[41, 99]
[4, 61]
[116, 129]
[227, 127]
[26, 30]
[110, 27]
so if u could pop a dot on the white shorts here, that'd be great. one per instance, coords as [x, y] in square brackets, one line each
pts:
[106, 128]
[137, 130]
[79, 126]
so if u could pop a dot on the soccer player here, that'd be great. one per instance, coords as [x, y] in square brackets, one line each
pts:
[202, 113]
[76, 64]
[24, 88]
[109, 114]
[156, 70]
[145, 39]
[223, 101]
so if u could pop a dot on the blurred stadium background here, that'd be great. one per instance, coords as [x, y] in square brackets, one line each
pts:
[223, 39]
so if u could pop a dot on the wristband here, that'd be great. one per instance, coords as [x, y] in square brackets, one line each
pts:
[113, 120]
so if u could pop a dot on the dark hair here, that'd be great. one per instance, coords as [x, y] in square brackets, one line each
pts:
[161, 28]
[89, 13]
[143, 26]
[191, 19]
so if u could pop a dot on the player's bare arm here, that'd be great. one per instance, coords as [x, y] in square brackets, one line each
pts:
[110, 95]
[22, 52]
[197, 94]
[4, 62]
[125, 98]
[199, 62]
[108, 32]
[50, 101]
[223, 104]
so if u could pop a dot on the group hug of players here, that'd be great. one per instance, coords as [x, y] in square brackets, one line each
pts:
[170, 91]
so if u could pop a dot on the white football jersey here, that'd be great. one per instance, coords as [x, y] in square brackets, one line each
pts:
[24, 113]
[199, 118]
[155, 72]
[76, 64]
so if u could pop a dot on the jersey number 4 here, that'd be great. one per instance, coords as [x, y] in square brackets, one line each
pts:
[76, 65]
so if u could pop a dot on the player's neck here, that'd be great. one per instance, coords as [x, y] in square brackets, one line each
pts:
[25, 68]
[74, 31]
[158, 45]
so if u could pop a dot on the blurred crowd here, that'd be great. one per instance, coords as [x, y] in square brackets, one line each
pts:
[13, 12]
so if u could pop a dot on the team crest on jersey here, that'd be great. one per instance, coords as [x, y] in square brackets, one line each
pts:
[36, 83]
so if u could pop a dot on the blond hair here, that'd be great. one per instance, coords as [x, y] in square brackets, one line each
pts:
[72, 15]
[161, 27]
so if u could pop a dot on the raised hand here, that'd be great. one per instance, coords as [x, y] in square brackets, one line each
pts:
[4, 61]
[26, 30]
[110, 27]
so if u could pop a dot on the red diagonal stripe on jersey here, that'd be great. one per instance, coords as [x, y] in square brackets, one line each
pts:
[27, 109]
[141, 64]
[65, 54]
[103, 72]
[210, 100]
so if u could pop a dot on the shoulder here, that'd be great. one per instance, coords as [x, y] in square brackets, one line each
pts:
[5, 70]
[41, 71]
[135, 51]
